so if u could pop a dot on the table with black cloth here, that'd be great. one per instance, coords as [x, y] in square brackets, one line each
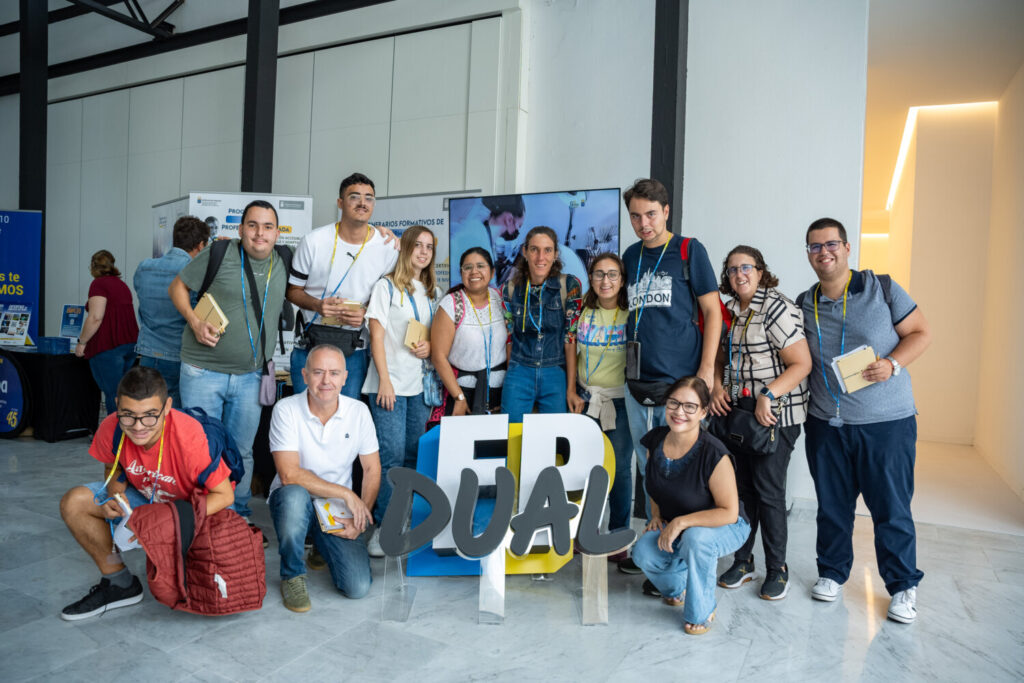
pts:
[63, 401]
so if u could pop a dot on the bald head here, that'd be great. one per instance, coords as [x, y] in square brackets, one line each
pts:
[324, 348]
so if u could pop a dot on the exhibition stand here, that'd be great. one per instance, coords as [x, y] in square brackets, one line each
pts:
[62, 400]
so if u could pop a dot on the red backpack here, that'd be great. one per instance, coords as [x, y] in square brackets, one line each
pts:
[695, 309]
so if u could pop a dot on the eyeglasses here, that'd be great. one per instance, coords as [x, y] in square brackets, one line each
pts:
[355, 197]
[674, 405]
[610, 275]
[147, 420]
[470, 267]
[746, 269]
[831, 245]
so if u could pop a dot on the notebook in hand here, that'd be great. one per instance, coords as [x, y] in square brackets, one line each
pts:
[208, 310]
[332, 513]
[849, 366]
[415, 333]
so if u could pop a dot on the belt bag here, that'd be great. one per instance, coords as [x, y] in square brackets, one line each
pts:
[740, 431]
[648, 394]
[348, 341]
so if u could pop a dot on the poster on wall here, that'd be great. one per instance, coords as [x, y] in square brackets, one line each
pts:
[585, 221]
[20, 252]
[431, 210]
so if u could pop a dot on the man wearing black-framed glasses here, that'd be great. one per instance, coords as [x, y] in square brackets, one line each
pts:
[158, 458]
[861, 442]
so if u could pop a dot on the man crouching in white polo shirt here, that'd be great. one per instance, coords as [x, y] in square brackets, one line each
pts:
[315, 437]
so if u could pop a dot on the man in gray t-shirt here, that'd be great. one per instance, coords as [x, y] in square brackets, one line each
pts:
[862, 442]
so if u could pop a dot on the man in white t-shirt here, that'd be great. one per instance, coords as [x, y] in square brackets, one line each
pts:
[333, 271]
[315, 437]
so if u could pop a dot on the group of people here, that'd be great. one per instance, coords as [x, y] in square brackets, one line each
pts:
[648, 351]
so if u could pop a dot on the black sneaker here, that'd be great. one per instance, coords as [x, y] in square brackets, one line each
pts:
[650, 589]
[628, 566]
[776, 584]
[738, 574]
[102, 597]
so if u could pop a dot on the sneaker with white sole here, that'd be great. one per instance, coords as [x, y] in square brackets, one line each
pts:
[776, 584]
[826, 590]
[373, 547]
[101, 598]
[738, 574]
[903, 606]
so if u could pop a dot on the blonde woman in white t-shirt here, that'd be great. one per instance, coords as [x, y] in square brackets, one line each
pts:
[394, 381]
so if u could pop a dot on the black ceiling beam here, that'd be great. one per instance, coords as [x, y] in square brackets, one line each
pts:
[163, 31]
[186, 39]
[62, 14]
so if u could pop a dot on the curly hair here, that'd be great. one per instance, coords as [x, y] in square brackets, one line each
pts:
[767, 278]
[102, 264]
[522, 273]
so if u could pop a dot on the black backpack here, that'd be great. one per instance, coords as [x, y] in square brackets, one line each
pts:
[217, 251]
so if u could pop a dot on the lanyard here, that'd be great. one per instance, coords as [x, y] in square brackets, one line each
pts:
[263, 310]
[593, 337]
[643, 302]
[488, 341]
[416, 310]
[734, 387]
[842, 344]
[529, 314]
[159, 461]
[330, 266]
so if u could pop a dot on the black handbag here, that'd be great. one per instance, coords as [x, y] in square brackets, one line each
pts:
[648, 393]
[740, 431]
[348, 341]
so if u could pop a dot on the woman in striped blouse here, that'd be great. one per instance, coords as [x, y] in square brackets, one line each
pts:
[765, 355]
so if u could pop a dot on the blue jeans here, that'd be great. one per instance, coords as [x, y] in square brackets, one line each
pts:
[877, 461]
[170, 370]
[621, 494]
[642, 419]
[291, 508]
[398, 433]
[354, 364]
[527, 386]
[691, 566]
[135, 499]
[234, 400]
[108, 367]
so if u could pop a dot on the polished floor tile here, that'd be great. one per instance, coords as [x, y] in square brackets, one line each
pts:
[970, 624]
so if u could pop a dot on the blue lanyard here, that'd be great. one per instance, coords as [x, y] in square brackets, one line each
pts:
[488, 340]
[842, 344]
[416, 311]
[263, 310]
[734, 387]
[540, 307]
[643, 302]
[593, 338]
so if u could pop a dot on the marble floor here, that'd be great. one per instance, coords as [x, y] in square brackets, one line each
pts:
[970, 624]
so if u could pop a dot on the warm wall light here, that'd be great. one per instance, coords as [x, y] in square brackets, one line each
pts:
[908, 133]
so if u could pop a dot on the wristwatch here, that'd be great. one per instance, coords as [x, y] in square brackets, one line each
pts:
[765, 391]
[895, 366]
[460, 397]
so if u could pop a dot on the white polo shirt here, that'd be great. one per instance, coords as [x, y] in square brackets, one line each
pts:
[314, 270]
[326, 450]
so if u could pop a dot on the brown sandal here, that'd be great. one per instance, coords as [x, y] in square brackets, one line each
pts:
[699, 629]
[675, 602]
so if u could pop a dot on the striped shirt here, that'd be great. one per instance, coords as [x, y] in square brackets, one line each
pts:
[771, 323]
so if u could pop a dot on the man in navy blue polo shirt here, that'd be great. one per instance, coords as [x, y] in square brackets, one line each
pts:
[862, 442]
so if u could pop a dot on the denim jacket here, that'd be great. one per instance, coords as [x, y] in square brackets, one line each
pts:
[558, 321]
[162, 325]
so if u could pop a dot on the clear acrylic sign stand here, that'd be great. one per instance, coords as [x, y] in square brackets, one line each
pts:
[492, 587]
[592, 595]
[398, 595]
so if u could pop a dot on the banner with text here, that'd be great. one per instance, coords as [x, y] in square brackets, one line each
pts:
[20, 250]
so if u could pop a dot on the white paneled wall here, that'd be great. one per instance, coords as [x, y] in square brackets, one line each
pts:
[421, 112]
[10, 144]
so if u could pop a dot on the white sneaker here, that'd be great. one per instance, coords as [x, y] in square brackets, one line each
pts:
[903, 606]
[826, 590]
[373, 547]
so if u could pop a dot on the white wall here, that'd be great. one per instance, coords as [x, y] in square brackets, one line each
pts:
[901, 222]
[1000, 431]
[10, 143]
[774, 133]
[952, 200]
[588, 102]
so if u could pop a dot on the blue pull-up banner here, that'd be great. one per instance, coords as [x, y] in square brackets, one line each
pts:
[20, 252]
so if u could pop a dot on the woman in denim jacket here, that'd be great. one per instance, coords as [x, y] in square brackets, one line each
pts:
[542, 308]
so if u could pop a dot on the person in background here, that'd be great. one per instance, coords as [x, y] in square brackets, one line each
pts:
[601, 378]
[394, 382]
[696, 513]
[542, 309]
[765, 355]
[468, 340]
[110, 331]
[159, 343]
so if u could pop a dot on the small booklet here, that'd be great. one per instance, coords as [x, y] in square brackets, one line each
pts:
[415, 333]
[332, 513]
[849, 366]
[208, 310]
[334, 320]
[124, 538]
